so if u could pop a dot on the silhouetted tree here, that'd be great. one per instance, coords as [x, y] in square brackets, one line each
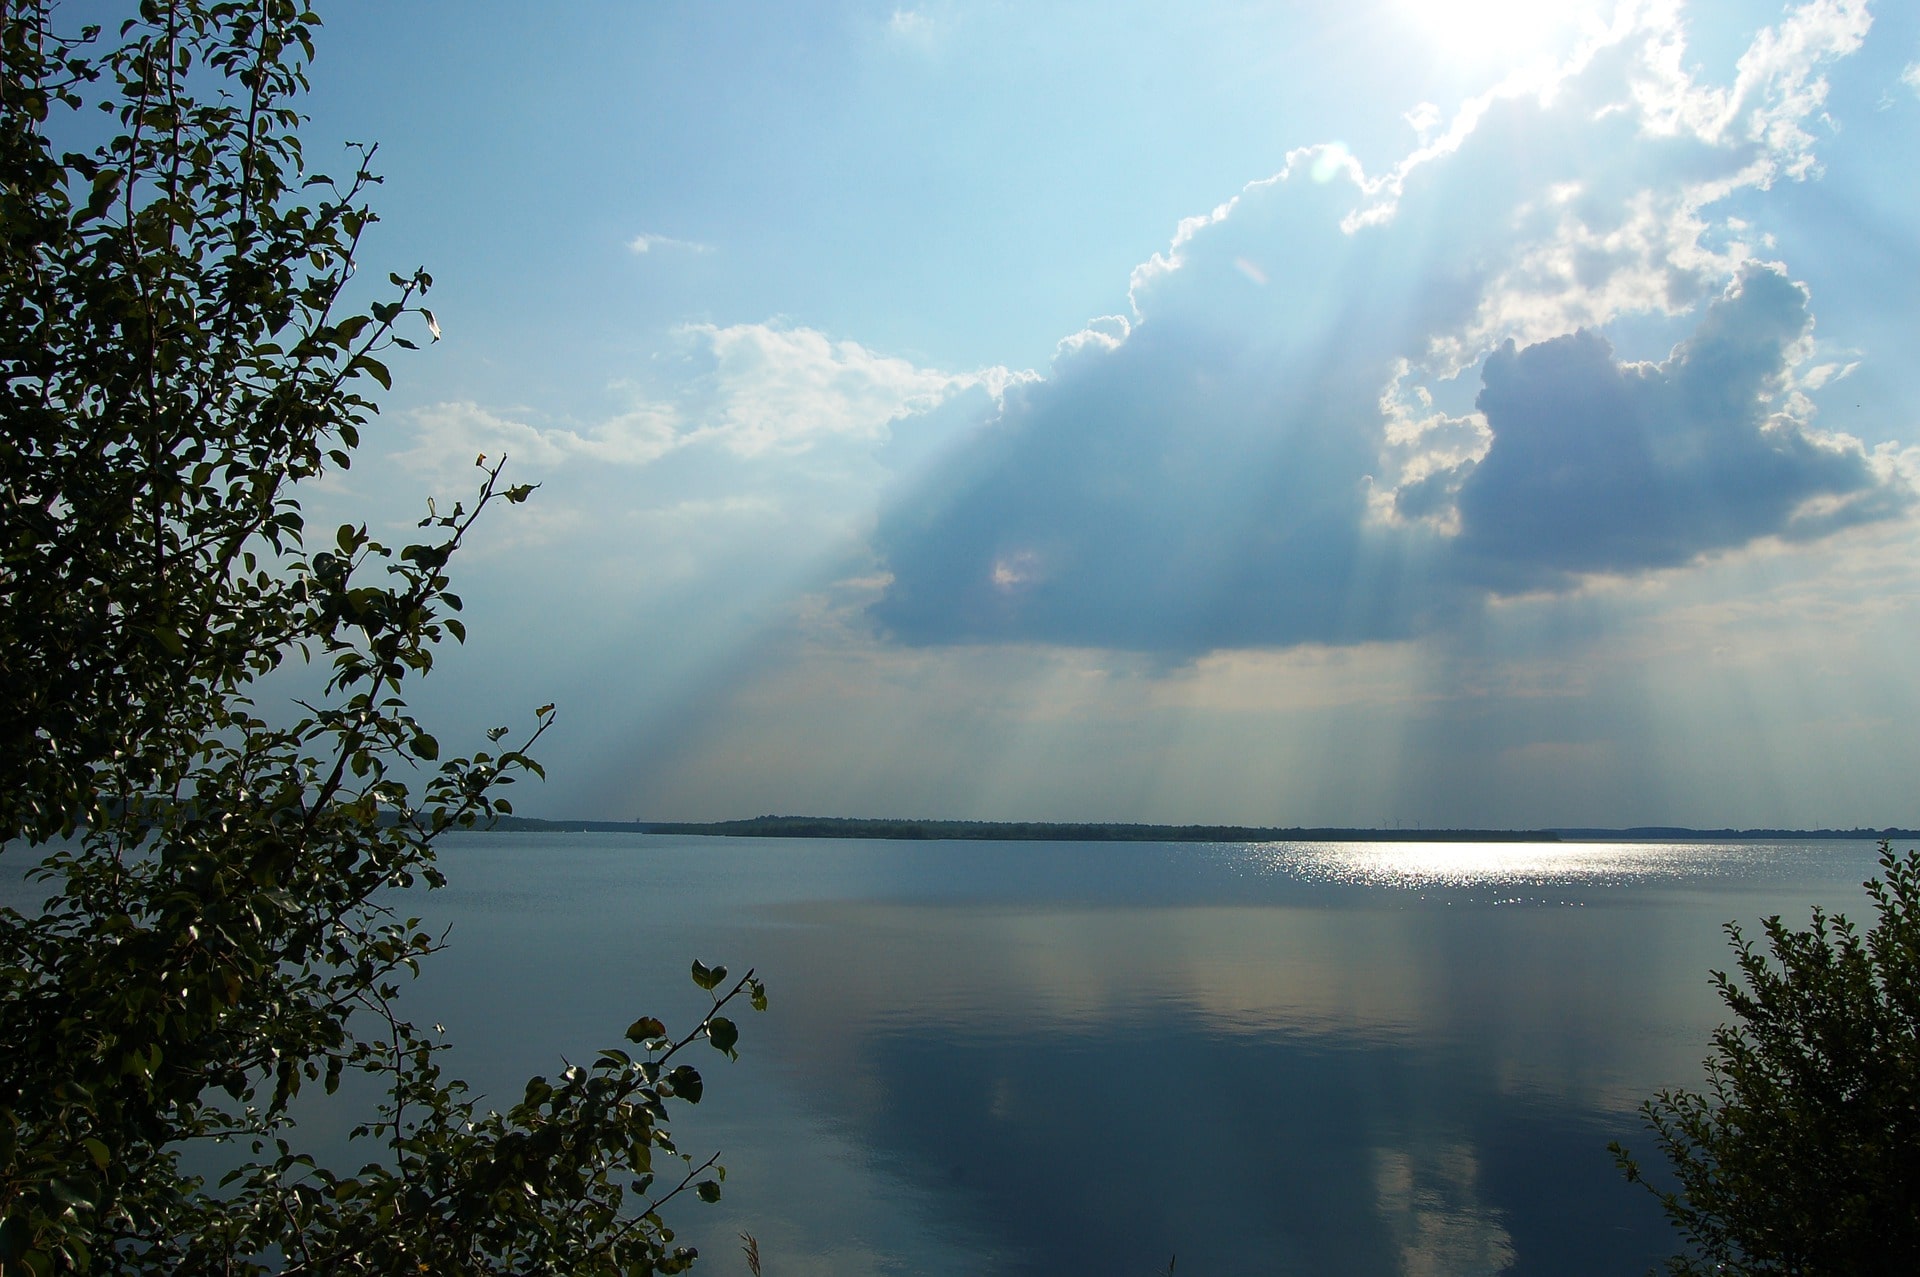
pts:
[178, 352]
[1802, 1156]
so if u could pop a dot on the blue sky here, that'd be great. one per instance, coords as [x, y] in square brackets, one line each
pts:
[1381, 413]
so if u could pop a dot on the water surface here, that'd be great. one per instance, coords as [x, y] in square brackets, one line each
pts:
[1086, 1058]
[1062, 1058]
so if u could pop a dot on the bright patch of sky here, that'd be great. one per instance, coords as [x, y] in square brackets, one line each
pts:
[1482, 413]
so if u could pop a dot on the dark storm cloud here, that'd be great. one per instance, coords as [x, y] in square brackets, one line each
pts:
[1175, 494]
[1597, 466]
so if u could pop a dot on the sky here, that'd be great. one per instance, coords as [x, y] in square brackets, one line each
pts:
[1478, 414]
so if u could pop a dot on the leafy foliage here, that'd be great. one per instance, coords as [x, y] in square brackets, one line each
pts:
[179, 349]
[1803, 1155]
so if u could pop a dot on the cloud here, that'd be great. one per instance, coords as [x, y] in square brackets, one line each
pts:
[645, 243]
[1598, 466]
[1259, 455]
[778, 390]
[1165, 495]
[919, 29]
[757, 391]
[447, 436]
[1778, 85]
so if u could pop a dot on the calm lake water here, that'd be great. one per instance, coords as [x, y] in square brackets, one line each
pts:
[1087, 1058]
[1061, 1058]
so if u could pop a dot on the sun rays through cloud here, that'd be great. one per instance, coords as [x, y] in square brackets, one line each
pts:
[1474, 412]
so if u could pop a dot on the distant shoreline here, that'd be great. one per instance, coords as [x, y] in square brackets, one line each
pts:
[1051, 831]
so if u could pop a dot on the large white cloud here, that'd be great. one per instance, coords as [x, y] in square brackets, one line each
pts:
[1256, 458]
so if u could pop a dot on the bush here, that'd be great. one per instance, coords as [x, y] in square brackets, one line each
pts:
[179, 353]
[1803, 1154]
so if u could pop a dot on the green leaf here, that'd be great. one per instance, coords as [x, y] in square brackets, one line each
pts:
[723, 1034]
[708, 1190]
[707, 977]
[373, 368]
[69, 1194]
[646, 1029]
[686, 1083]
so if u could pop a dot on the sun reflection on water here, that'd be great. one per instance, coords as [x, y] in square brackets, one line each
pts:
[1411, 865]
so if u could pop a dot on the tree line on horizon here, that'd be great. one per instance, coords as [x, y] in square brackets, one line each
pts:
[772, 826]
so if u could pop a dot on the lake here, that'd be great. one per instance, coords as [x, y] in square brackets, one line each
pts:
[1088, 1058]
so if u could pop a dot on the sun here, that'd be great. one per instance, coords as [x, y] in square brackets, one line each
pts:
[1501, 35]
